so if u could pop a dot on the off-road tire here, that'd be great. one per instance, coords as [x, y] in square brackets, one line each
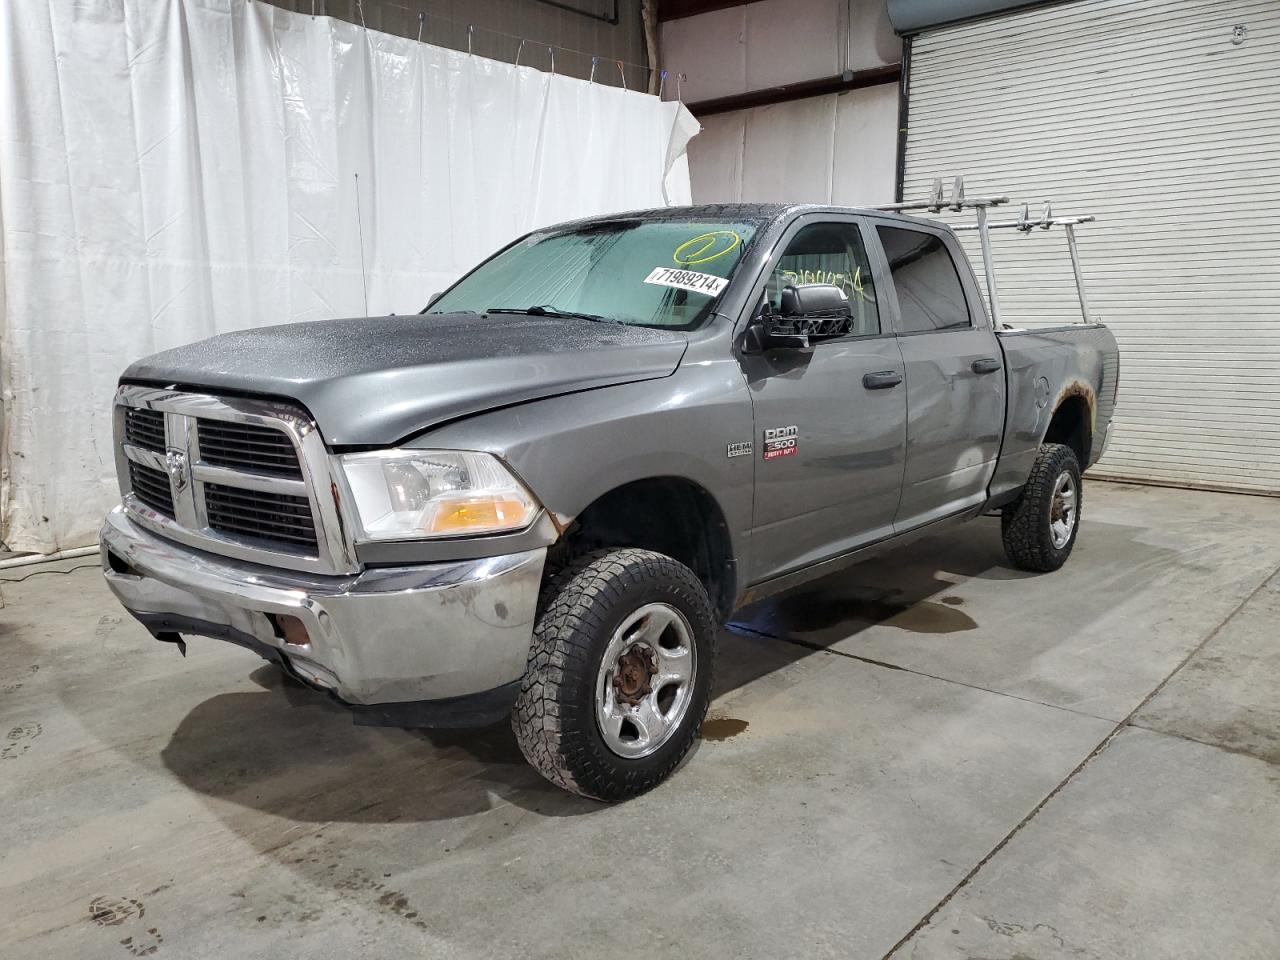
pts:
[580, 607]
[1024, 524]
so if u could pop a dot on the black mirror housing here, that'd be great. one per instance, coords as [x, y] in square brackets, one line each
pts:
[814, 300]
[816, 311]
[765, 333]
[807, 311]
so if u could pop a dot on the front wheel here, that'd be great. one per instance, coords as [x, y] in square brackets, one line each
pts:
[619, 674]
[1040, 527]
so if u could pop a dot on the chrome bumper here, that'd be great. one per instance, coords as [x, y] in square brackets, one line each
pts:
[387, 635]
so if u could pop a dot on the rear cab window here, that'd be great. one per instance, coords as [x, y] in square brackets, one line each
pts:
[930, 295]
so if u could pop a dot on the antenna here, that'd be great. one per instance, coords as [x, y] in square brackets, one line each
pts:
[364, 276]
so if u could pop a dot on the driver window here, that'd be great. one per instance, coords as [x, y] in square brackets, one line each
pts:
[830, 253]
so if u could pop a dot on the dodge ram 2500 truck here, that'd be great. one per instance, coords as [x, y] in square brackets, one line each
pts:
[540, 496]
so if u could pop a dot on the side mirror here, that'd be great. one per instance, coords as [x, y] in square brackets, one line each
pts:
[814, 300]
[433, 298]
[808, 311]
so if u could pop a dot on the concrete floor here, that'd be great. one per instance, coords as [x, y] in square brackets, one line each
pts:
[931, 756]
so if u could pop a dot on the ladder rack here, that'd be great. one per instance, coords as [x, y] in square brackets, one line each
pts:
[1024, 224]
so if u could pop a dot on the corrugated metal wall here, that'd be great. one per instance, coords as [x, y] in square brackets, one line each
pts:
[499, 25]
[1149, 114]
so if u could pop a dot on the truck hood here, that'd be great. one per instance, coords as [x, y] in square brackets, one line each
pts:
[380, 380]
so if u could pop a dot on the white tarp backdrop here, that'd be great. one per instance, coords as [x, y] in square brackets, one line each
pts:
[172, 169]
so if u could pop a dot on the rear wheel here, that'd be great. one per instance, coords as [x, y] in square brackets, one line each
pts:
[1040, 527]
[619, 673]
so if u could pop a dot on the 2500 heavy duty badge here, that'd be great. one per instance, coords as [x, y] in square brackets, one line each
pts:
[780, 442]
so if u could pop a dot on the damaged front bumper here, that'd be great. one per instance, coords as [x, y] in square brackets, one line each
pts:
[441, 644]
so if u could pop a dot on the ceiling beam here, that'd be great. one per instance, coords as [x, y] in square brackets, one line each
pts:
[675, 9]
[850, 80]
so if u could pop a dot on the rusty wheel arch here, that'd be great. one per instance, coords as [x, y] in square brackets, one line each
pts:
[1072, 423]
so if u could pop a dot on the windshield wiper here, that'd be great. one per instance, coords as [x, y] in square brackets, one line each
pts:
[547, 310]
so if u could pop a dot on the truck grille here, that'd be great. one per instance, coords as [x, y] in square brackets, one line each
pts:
[244, 446]
[151, 486]
[144, 428]
[259, 515]
[240, 477]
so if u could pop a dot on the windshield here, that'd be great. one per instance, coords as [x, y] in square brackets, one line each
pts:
[649, 273]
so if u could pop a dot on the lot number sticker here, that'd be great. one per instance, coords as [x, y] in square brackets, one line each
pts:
[687, 280]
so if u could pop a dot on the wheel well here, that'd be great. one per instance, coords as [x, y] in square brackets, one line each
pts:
[1070, 426]
[669, 515]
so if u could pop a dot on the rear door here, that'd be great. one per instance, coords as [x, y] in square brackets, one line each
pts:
[954, 369]
[828, 448]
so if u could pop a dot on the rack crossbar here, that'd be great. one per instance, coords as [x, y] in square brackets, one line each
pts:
[1024, 224]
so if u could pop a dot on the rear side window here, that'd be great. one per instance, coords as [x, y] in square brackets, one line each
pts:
[929, 291]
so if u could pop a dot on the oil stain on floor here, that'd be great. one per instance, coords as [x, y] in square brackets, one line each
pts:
[820, 610]
[722, 728]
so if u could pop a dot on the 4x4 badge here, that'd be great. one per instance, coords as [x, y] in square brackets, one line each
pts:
[780, 442]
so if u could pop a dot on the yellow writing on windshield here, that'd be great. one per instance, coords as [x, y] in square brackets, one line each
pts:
[706, 247]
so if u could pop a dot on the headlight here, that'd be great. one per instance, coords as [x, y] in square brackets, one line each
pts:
[406, 494]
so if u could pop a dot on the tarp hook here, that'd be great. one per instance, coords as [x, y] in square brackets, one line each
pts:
[471, 27]
[622, 73]
[360, 10]
[591, 77]
[935, 196]
[662, 82]
[519, 50]
[680, 77]
[552, 50]
[422, 22]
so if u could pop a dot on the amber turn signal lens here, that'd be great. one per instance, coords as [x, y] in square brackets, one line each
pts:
[479, 514]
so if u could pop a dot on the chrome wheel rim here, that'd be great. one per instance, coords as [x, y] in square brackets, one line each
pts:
[645, 682]
[1063, 510]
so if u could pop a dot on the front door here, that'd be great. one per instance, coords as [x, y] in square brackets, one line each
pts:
[955, 381]
[830, 419]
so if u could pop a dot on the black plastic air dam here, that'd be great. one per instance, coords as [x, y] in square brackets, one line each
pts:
[473, 710]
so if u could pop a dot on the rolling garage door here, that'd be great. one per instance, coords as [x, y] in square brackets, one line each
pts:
[1163, 119]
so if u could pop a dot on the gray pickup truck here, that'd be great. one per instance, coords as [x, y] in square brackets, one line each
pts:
[540, 496]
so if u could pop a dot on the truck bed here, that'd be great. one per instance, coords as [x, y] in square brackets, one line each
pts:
[1044, 367]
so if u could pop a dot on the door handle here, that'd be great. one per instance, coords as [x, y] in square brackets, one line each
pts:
[986, 365]
[881, 380]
